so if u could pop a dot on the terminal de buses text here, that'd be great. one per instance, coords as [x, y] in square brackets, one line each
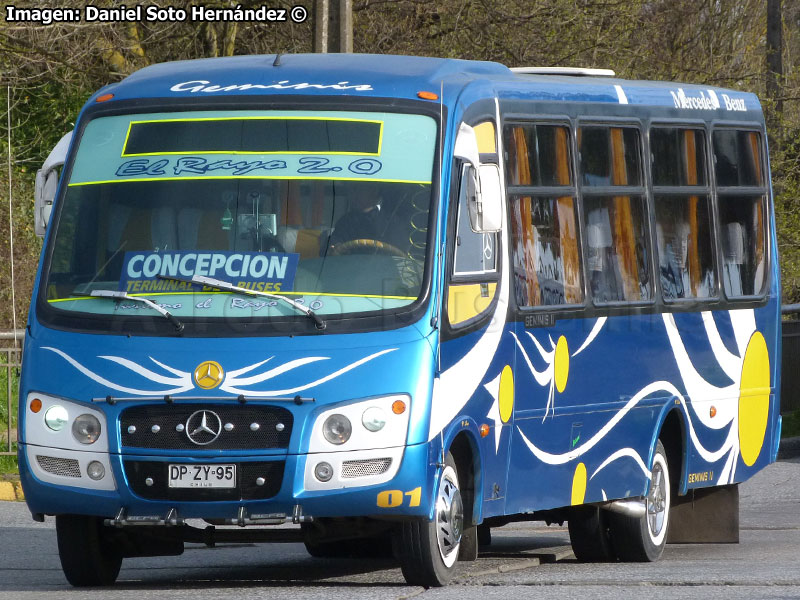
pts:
[153, 13]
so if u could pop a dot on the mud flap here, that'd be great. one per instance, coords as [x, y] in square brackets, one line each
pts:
[705, 516]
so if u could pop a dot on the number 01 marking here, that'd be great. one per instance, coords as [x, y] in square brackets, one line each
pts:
[395, 498]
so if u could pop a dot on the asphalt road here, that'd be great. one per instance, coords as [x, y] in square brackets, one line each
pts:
[524, 561]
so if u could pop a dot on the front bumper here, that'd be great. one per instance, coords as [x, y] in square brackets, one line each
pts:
[408, 486]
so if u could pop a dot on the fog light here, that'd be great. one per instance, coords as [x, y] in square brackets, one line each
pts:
[95, 470]
[56, 417]
[323, 471]
[337, 429]
[86, 429]
[373, 419]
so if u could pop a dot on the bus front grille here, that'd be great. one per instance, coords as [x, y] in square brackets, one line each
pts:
[205, 427]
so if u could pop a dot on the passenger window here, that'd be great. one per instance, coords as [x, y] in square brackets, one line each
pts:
[683, 236]
[609, 156]
[743, 225]
[683, 220]
[678, 156]
[616, 234]
[546, 259]
[737, 158]
[538, 155]
[742, 213]
[617, 248]
[544, 225]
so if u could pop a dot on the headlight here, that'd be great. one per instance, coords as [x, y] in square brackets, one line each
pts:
[86, 429]
[373, 419]
[56, 417]
[337, 429]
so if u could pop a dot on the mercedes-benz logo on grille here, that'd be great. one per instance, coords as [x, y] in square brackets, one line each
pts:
[203, 427]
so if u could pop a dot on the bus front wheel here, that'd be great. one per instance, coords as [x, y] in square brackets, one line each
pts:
[642, 539]
[428, 550]
[87, 558]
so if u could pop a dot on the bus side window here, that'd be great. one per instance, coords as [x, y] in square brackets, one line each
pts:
[544, 224]
[683, 216]
[617, 240]
[617, 248]
[742, 211]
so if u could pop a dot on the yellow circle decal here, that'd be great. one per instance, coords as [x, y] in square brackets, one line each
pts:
[208, 375]
[561, 364]
[579, 484]
[506, 393]
[754, 399]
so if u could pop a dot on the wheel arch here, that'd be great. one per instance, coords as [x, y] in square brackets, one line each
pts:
[672, 433]
[466, 453]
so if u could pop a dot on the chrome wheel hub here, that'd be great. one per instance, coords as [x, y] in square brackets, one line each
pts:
[656, 502]
[449, 517]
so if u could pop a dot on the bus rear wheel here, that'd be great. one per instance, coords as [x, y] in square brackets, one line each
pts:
[589, 535]
[428, 550]
[642, 539]
[87, 558]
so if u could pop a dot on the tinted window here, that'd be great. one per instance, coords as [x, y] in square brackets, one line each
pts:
[609, 156]
[683, 236]
[545, 251]
[743, 231]
[253, 135]
[538, 155]
[678, 155]
[617, 248]
[737, 159]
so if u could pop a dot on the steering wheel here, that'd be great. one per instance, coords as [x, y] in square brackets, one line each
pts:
[366, 246]
[270, 243]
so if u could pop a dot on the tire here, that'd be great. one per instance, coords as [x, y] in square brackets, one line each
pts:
[642, 539]
[589, 535]
[428, 550]
[87, 559]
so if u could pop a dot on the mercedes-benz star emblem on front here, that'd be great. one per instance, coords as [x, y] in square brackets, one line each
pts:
[203, 427]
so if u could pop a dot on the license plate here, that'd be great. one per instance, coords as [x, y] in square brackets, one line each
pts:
[202, 476]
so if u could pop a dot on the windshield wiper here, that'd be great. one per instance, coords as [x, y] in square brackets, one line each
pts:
[229, 287]
[117, 295]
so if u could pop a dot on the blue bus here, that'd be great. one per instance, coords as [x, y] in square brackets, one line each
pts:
[398, 302]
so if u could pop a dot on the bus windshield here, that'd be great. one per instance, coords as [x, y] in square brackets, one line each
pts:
[329, 209]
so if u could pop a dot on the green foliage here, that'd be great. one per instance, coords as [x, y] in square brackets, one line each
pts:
[791, 425]
[41, 115]
[7, 418]
[8, 464]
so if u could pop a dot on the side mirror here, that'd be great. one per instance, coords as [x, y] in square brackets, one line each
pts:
[47, 184]
[484, 192]
[490, 209]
